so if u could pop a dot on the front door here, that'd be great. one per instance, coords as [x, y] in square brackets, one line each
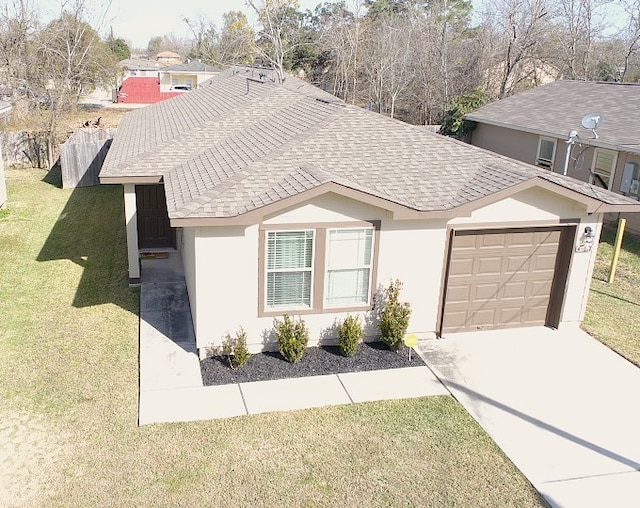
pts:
[154, 229]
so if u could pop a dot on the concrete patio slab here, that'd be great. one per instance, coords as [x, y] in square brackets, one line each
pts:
[390, 384]
[560, 404]
[190, 404]
[290, 394]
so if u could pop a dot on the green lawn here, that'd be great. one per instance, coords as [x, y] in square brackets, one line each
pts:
[68, 398]
[613, 310]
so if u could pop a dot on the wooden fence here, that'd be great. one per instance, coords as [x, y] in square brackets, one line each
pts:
[82, 156]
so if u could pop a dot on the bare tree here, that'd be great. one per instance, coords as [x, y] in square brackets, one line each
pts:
[631, 34]
[520, 25]
[280, 27]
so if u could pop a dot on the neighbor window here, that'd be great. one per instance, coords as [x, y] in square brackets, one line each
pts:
[188, 82]
[604, 164]
[289, 269]
[318, 269]
[174, 81]
[546, 151]
[349, 256]
[630, 184]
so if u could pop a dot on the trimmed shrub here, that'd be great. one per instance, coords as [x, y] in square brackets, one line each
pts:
[394, 316]
[293, 337]
[350, 334]
[235, 349]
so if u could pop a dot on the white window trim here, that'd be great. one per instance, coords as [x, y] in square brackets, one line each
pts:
[613, 165]
[553, 153]
[267, 308]
[369, 266]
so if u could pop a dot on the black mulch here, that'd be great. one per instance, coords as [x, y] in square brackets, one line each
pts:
[316, 361]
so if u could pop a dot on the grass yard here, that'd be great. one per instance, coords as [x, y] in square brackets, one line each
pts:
[613, 310]
[68, 398]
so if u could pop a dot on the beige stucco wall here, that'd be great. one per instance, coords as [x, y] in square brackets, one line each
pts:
[221, 264]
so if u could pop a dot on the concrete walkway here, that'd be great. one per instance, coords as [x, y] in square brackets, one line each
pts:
[562, 406]
[171, 387]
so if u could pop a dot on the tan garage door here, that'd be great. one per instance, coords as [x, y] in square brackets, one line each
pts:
[500, 278]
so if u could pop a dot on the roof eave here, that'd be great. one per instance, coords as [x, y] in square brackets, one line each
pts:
[136, 180]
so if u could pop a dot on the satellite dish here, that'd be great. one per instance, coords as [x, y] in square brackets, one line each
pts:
[591, 121]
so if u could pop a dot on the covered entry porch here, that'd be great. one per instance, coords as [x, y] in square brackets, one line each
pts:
[147, 223]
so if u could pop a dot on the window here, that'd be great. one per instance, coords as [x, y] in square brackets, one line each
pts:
[546, 152]
[317, 270]
[349, 253]
[604, 164]
[189, 82]
[630, 184]
[174, 81]
[289, 269]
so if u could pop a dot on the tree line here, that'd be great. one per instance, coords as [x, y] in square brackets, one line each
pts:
[410, 59]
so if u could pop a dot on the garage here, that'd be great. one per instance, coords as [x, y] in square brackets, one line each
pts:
[505, 278]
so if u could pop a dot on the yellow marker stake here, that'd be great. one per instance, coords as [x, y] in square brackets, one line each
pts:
[616, 250]
[410, 341]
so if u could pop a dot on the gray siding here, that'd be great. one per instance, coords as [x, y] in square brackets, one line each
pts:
[523, 146]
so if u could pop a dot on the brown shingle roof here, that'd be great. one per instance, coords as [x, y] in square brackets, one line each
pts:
[238, 144]
[557, 108]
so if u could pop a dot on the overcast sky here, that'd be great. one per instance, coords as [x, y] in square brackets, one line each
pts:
[139, 20]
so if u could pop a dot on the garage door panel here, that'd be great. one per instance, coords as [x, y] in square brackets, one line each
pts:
[500, 279]
[490, 241]
[488, 266]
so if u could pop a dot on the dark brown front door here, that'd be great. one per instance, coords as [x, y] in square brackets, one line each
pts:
[154, 229]
[501, 278]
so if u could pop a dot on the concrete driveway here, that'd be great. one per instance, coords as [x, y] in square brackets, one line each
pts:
[563, 407]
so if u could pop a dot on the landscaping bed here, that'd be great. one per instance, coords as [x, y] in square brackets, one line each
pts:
[315, 362]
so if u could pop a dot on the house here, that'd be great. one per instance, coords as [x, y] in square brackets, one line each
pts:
[543, 126]
[140, 66]
[185, 76]
[168, 58]
[147, 82]
[143, 90]
[282, 199]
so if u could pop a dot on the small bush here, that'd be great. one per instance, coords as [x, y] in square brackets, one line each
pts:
[235, 349]
[394, 317]
[293, 337]
[350, 334]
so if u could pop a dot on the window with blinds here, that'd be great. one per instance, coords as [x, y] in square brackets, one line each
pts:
[349, 257]
[604, 163]
[289, 271]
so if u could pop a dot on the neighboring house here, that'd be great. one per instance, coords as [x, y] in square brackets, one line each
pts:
[534, 126]
[141, 67]
[148, 82]
[168, 58]
[136, 90]
[185, 76]
[284, 199]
